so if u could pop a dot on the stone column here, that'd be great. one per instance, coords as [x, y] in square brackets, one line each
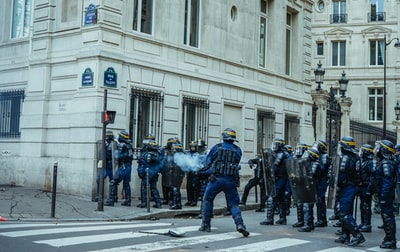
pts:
[345, 104]
[320, 98]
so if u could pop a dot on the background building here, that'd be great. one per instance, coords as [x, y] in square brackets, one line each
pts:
[350, 36]
[171, 68]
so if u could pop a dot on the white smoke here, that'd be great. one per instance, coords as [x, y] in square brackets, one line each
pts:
[189, 162]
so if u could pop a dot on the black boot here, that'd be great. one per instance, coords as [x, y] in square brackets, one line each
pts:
[357, 239]
[300, 216]
[321, 213]
[283, 212]
[344, 238]
[242, 229]
[113, 194]
[205, 225]
[269, 220]
[389, 224]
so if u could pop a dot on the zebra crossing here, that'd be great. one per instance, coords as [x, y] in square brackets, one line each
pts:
[140, 236]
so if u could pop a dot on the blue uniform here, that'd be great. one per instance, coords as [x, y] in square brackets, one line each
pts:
[222, 164]
[153, 160]
[348, 181]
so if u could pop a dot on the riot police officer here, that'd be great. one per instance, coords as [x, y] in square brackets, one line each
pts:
[258, 179]
[322, 181]
[383, 184]
[281, 180]
[366, 155]
[168, 157]
[223, 165]
[348, 180]
[175, 175]
[124, 156]
[150, 163]
[191, 181]
[314, 170]
[109, 169]
[299, 150]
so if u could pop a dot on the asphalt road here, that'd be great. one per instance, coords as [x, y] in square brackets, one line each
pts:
[156, 236]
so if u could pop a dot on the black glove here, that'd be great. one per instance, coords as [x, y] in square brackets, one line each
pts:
[212, 178]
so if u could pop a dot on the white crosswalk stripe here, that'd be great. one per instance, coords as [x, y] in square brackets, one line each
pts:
[174, 243]
[76, 229]
[107, 237]
[133, 237]
[266, 246]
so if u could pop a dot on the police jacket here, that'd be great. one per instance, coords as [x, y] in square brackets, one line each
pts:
[124, 154]
[349, 169]
[278, 166]
[385, 176]
[366, 171]
[152, 159]
[223, 160]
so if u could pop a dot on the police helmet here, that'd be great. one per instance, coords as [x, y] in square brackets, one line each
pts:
[178, 147]
[313, 153]
[123, 136]
[152, 145]
[397, 147]
[109, 134]
[201, 143]
[322, 146]
[366, 151]
[150, 136]
[229, 135]
[384, 148]
[193, 146]
[300, 149]
[170, 143]
[277, 144]
[288, 148]
[347, 143]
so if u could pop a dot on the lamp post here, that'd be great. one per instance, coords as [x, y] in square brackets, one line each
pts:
[397, 110]
[396, 122]
[343, 81]
[345, 105]
[397, 45]
[319, 76]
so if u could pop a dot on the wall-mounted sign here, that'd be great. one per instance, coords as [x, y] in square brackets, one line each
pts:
[110, 78]
[87, 77]
[91, 15]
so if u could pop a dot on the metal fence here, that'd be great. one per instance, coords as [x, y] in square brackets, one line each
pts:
[367, 134]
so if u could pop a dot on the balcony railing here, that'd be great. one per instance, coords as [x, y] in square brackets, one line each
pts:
[377, 17]
[338, 18]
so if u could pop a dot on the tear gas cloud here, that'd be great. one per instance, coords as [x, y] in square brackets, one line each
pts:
[189, 162]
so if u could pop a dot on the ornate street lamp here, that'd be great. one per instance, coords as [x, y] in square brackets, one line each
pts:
[397, 110]
[343, 82]
[397, 45]
[319, 76]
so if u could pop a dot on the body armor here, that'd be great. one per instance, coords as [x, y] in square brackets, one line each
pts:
[225, 163]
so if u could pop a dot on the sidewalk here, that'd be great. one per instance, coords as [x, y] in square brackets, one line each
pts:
[28, 204]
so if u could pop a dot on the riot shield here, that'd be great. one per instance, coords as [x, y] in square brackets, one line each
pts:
[114, 160]
[269, 179]
[333, 181]
[173, 177]
[397, 192]
[301, 180]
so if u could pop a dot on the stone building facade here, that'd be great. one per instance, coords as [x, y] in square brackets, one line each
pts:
[349, 36]
[184, 69]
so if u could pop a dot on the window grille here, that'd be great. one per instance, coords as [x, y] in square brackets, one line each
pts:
[10, 112]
